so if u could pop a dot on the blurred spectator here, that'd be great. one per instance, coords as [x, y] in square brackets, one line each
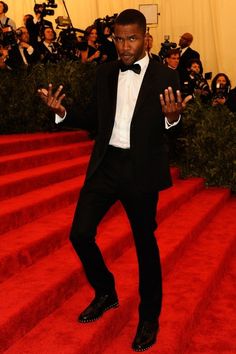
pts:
[36, 24]
[49, 49]
[220, 88]
[22, 54]
[172, 58]
[186, 54]
[4, 20]
[149, 41]
[107, 44]
[194, 82]
[94, 51]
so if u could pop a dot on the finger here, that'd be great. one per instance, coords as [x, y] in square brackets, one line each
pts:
[171, 95]
[186, 100]
[178, 95]
[49, 91]
[57, 93]
[162, 100]
[61, 98]
[167, 97]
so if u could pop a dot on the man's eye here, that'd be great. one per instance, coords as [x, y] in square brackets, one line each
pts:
[119, 40]
[132, 39]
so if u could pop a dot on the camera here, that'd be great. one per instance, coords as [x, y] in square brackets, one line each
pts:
[166, 46]
[222, 91]
[8, 37]
[102, 23]
[200, 82]
[45, 9]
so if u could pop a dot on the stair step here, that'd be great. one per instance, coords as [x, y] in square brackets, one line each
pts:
[50, 231]
[10, 144]
[216, 330]
[35, 158]
[92, 338]
[42, 288]
[23, 209]
[18, 183]
[188, 288]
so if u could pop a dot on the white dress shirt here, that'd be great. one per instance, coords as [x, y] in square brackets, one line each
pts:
[129, 84]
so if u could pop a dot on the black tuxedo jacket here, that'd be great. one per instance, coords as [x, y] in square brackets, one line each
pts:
[148, 147]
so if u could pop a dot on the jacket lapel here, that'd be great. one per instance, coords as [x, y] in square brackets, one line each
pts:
[146, 87]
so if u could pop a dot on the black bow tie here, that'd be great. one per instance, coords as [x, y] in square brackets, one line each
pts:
[134, 67]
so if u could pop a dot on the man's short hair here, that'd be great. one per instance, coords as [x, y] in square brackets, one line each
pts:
[172, 51]
[131, 17]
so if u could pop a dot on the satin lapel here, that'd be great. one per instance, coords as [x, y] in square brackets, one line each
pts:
[113, 83]
[146, 87]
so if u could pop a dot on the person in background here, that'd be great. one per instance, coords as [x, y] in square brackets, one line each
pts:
[149, 45]
[23, 54]
[220, 88]
[172, 58]
[49, 49]
[186, 54]
[4, 20]
[94, 50]
[195, 83]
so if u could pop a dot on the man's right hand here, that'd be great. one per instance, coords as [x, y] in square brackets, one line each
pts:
[53, 101]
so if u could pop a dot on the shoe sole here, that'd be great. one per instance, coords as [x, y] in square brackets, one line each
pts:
[115, 305]
[143, 350]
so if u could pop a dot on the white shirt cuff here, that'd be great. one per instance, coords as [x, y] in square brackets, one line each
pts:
[59, 119]
[170, 125]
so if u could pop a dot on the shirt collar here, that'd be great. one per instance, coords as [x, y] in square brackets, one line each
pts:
[143, 62]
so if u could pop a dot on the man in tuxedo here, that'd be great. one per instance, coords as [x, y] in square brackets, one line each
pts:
[186, 54]
[133, 105]
[22, 54]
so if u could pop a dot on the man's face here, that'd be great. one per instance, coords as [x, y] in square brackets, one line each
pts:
[48, 33]
[173, 61]
[185, 40]
[195, 67]
[130, 43]
[24, 35]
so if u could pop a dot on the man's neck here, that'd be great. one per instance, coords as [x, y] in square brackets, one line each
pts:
[2, 16]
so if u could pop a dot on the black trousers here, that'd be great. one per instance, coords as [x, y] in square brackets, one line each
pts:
[114, 180]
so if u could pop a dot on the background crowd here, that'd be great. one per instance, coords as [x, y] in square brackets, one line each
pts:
[37, 42]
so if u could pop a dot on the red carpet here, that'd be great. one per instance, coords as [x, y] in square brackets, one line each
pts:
[42, 285]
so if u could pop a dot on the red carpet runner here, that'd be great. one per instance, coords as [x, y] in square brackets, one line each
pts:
[43, 287]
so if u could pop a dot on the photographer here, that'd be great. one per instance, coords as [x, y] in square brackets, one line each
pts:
[22, 54]
[36, 24]
[49, 49]
[220, 88]
[195, 83]
[4, 20]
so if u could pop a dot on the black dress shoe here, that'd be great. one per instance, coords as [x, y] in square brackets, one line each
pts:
[145, 336]
[98, 306]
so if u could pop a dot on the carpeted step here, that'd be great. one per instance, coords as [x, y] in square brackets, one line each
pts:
[35, 158]
[49, 336]
[12, 144]
[40, 289]
[216, 329]
[50, 231]
[18, 183]
[29, 243]
[189, 287]
[30, 206]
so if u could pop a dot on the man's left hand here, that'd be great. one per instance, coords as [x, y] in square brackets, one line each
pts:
[170, 107]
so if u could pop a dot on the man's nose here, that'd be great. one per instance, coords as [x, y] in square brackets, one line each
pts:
[126, 44]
